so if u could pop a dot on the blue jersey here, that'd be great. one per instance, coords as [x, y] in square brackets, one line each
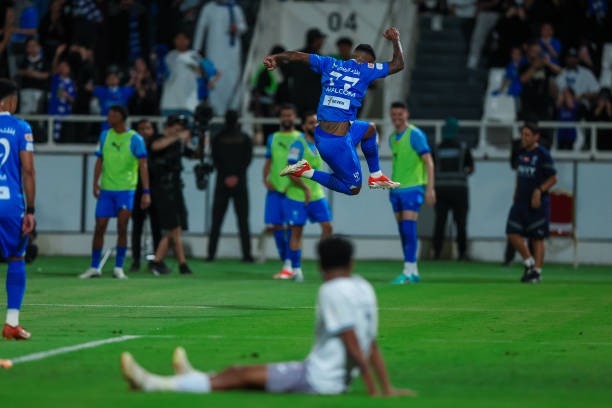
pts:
[533, 169]
[15, 136]
[58, 105]
[343, 85]
[108, 97]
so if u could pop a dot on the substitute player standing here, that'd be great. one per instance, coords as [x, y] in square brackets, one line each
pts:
[344, 84]
[530, 213]
[413, 168]
[305, 198]
[122, 154]
[276, 159]
[16, 219]
[345, 345]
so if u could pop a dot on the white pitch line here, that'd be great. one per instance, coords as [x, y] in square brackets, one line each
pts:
[63, 350]
[399, 309]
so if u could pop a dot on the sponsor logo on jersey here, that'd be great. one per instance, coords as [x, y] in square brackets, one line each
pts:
[340, 91]
[335, 102]
[29, 137]
[379, 66]
[370, 65]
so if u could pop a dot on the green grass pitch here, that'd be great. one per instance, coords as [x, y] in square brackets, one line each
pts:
[469, 335]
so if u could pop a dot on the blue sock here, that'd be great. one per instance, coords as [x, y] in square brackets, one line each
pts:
[296, 258]
[369, 147]
[287, 241]
[15, 284]
[408, 231]
[96, 256]
[330, 181]
[120, 256]
[281, 243]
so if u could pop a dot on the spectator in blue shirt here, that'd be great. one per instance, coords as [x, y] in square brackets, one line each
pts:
[209, 78]
[550, 45]
[568, 110]
[512, 79]
[112, 93]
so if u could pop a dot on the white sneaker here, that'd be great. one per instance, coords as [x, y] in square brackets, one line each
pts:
[134, 374]
[298, 276]
[180, 362]
[119, 274]
[91, 273]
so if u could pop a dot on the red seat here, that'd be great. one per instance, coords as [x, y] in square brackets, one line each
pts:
[562, 218]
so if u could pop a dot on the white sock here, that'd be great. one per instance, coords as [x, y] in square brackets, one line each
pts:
[410, 268]
[376, 174]
[194, 381]
[287, 264]
[12, 317]
[308, 174]
[529, 261]
[297, 271]
[538, 270]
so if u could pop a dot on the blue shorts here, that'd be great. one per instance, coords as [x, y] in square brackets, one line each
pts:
[275, 208]
[111, 202]
[316, 211]
[340, 155]
[12, 242]
[529, 222]
[406, 199]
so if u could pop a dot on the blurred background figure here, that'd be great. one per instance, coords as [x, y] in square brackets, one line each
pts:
[344, 48]
[264, 90]
[222, 22]
[34, 77]
[232, 151]
[454, 163]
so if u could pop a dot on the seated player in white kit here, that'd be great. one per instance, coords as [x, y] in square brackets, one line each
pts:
[346, 327]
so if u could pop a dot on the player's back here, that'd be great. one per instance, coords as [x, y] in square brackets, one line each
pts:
[15, 136]
[343, 303]
[344, 84]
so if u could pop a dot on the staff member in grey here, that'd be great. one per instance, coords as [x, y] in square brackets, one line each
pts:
[454, 163]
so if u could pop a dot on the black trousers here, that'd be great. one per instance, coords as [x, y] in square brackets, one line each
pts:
[455, 200]
[239, 195]
[138, 218]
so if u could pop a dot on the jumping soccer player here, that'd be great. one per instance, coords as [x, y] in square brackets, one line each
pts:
[16, 219]
[276, 159]
[413, 168]
[305, 198]
[122, 154]
[344, 85]
[347, 322]
[530, 213]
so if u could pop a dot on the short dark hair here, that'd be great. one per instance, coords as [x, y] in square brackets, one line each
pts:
[120, 109]
[307, 113]
[366, 48]
[344, 41]
[531, 125]
[287, 106]
[231, 117]
[141, 121]
[399, 104]
[7, 88]
[335, 252]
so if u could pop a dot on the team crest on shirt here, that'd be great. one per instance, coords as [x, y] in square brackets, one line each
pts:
[379, 65]
[371, 65]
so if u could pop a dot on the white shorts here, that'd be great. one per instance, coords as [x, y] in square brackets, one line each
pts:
[288, 377]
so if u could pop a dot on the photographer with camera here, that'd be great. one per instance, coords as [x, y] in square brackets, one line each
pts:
[232, 151]
[167, 189]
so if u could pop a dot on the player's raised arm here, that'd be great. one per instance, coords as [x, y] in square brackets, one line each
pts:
[397, 62]
[271, 61]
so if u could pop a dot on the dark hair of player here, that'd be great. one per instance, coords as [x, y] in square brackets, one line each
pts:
[7, 88]
[306, 114]
[183, 33]
[399, 104]
[231, 118]
[366, 48]
[344, 41]
[335, 252]
[142, 121]
[287, 106]
[533, 126]
[121, 110]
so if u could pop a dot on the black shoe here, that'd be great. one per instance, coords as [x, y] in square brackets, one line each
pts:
[135, 267]
[184, 269]
[526, 274]
[248, 259]
[532, 277]
[158, 268]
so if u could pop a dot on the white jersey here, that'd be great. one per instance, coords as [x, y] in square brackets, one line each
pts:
[343, 303]
[181, 87]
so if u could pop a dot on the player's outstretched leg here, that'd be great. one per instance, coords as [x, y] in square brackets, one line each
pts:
[365, 134]
[15, 290]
